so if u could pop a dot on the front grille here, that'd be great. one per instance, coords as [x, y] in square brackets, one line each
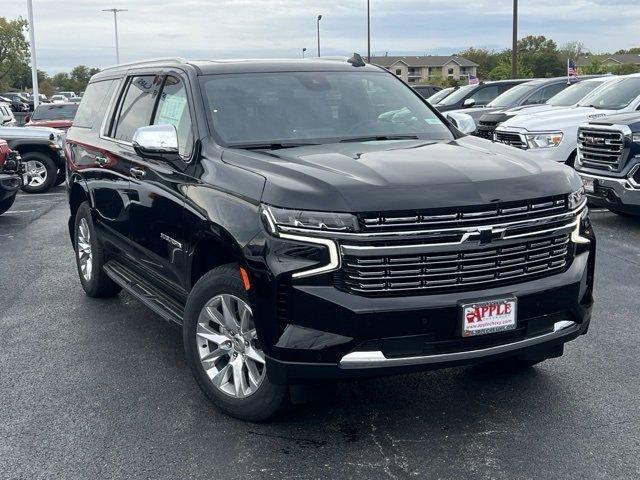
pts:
[455, 270]
[511, 139]
[464, 216]
[602, 149]
[485, 130]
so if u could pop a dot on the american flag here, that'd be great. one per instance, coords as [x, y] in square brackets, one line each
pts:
[571, 69]
[473, 80]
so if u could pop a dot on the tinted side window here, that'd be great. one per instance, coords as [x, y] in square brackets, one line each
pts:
[551, 90]
[137, 105]
[92, 107]
[173, 109]
[486, 94]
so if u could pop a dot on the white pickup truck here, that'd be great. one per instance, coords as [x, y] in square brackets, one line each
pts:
[553, 134]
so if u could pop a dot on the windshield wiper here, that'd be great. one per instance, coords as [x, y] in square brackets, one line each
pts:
[270, 145]
[373, 138]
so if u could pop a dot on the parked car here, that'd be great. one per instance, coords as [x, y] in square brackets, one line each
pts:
[568, 97]
[298, 229]
[59, 99]
[54, 115]
[438, 96]
[426, 90]
[68, 95]
[10, 176]
[475, 95]
[609, 162]
[6, 115]
[553, 135]
[18, 102]
[41, 150]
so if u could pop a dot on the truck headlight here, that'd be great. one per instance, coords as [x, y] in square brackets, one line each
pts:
[308, 220]
[544, 140]
[576, 198]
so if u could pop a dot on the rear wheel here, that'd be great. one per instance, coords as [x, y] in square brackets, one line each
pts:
[223, 349]
[6, 204]
[41, 172]
[90, 257]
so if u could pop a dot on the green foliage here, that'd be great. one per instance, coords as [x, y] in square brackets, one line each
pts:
[595, 67]
[541, 57]
[502, 70]
[14, 48]
[633, 51]
[486, 59]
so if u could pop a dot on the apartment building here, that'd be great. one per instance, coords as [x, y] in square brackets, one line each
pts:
[424, 68]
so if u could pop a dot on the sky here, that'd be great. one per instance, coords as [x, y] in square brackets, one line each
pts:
[74, 32]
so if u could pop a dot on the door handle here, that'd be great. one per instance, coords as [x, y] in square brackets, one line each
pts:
[137, 172]
[102, 161]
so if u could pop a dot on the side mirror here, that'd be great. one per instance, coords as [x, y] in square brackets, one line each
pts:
[463, 122]
[156, 141]
[468, 103]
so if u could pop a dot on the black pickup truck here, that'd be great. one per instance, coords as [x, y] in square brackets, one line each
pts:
[609, 162]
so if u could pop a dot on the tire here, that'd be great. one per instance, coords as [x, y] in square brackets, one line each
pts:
[93, 279]
[6, 204]
[44, 171]
[262, 399]
[60, 178]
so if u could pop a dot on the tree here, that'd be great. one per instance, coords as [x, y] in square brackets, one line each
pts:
[14, 48]
[595, 67]
[573, 51]
[502, 70]
[540, 55]
[633, 51]
[486, 59]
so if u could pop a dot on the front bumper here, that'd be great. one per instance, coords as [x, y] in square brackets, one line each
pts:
[10, 183]
[621, 194]
[331, 334]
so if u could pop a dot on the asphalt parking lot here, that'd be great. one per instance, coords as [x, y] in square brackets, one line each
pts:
[100, 389]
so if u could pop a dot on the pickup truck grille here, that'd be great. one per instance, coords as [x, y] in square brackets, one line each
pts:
[511, 139]
[455, 270]
[464, 216]
[601, 149]
[485, 129]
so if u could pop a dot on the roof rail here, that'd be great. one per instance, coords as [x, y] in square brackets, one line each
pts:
[144, 62]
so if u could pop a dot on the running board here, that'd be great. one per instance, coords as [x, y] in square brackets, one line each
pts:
[148, 294]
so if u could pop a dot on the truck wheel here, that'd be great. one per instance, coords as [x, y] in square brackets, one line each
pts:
[6, 204]
[90, 257]
[60, 177]
[41, 172]
[223, 350]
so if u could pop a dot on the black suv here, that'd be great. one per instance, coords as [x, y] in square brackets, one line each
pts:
[479, 95]
[609, 162]
[317, 219]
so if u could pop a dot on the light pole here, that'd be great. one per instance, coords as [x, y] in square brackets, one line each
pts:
[303, 51]
[115, 24]
[319, 18]
[514, 46]
[32, 46]
[369, 31]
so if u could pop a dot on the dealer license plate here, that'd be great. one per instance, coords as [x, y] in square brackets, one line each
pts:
[588, 184]
[489, 316]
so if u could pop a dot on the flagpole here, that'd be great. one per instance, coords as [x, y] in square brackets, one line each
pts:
[568, 77]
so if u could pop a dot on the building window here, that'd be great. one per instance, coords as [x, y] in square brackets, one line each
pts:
[450, 71]
[398, 71]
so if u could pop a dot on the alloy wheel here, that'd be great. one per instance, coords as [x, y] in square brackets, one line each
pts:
[85, 256]
[36, 173]
[227, 346]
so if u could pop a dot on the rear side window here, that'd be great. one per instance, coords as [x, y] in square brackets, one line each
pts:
[137, 105]
[486, 94]
[94, 103]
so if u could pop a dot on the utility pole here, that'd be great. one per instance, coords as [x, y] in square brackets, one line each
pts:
[319, 18]
[34, 64]
[115, 24]
[368, 31]
[514, 46]
[303, 51]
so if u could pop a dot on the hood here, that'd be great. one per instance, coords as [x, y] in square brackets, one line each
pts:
[554, 119]
[59, 124]
[29, 132]
[631, 119]
[475, 112]
[398, 175]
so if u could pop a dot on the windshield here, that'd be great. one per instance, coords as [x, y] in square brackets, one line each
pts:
[316, 107]
[615, 96]
[573, 94]
[55, 112]
[511, 96]
[436, 97]
[457, 95]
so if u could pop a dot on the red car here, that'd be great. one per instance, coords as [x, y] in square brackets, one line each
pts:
[54, 115]
[10, 179]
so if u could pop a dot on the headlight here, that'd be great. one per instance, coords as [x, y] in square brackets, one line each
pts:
[544, 140]
[305, 219]
[576, 198]
[635, 137]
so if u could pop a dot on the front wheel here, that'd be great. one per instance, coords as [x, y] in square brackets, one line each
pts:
[224, 351]
[6, 204]
[41, 172]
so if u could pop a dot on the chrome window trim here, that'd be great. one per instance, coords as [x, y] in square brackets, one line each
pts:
[376, 359]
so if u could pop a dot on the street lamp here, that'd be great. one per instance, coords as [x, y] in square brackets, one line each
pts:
[115, 23]
[514, 47]
[319, 18]
[303, 51]
[32, 46]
